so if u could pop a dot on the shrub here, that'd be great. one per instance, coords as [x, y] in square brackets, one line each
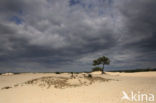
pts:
[72, 74]
[58, 73]
[89, 76]
[97, 69]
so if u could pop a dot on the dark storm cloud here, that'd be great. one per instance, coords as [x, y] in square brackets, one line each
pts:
[55, 35]
[140, 23]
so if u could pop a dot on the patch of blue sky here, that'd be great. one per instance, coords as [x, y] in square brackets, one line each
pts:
[104, 6]
[74, 2]
[16, 20]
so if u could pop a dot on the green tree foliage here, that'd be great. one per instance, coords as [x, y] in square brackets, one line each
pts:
[101, 60]
[97, 69]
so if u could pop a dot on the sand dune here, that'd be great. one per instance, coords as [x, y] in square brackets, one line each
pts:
[80, 88]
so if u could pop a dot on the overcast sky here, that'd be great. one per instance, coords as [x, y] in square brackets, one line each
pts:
[66, 35]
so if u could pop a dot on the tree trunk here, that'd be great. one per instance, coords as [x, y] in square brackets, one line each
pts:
[103, 69]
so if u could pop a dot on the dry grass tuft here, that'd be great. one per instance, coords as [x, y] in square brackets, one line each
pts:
[7, 87]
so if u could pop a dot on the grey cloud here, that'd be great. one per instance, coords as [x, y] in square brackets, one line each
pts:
[56, 35]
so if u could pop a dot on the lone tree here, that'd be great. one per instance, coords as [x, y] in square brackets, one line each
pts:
[101, 60]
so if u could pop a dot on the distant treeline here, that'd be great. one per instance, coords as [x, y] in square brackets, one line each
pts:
[135, 70]
[126, 71]
[47, 72]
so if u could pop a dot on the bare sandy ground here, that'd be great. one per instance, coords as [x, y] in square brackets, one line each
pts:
[80, 88]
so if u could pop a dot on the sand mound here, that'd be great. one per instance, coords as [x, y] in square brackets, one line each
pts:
[61, 82]
[96, 72]
[7, 74]
[33, 87]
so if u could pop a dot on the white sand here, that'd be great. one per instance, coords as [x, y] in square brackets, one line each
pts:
[98, 92]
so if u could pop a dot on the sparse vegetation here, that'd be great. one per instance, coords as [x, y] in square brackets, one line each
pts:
[62, 82]
[135, 70]
[7, 87]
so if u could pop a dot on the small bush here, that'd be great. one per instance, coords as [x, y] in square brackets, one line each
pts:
[58, 73]
[72, 74]
[89, 76]
[97, 69]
